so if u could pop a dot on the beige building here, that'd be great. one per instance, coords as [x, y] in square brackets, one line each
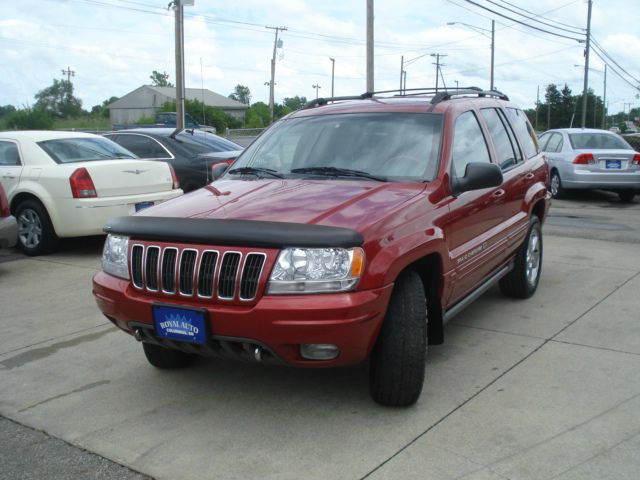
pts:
[147, 100]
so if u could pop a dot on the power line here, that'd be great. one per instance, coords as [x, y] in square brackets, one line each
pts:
[534, 19]
[602, 50]
[580, 30]
[522, 23]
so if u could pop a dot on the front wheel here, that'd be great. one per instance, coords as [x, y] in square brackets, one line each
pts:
[522, 281]
[36, 235]
[397, 363]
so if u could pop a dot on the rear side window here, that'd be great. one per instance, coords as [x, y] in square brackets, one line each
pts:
[85, 149]
[468, 144]
[9, 156]
[524, 131]
[505, 150]
[142, 146]
[555, 143]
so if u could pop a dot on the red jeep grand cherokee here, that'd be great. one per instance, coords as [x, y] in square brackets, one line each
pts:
[353, 228]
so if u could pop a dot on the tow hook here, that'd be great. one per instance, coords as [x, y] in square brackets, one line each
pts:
[137, 333]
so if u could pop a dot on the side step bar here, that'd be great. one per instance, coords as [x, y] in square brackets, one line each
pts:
[466, 301]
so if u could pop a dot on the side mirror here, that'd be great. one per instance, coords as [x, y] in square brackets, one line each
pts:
[217, 169]
[478, 176]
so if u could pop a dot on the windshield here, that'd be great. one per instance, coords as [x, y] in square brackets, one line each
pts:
[70, 150]
[394, 146]
[597, 141]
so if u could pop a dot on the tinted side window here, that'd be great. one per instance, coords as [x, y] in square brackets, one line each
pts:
[9, 155]
[555, 143]
[524, 131]
[505, 151]
[468, 144]
[542, 141]
[144, 147]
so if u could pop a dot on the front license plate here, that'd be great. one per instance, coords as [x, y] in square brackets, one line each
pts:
[179, 323]
[143, 205]
[614, 165]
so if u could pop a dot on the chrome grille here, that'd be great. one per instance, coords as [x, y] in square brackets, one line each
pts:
[187, 269]
[228, 274]
[251, 275]
[209, 274]
[206, 273]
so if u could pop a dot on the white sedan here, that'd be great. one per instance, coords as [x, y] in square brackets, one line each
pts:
[68, 184]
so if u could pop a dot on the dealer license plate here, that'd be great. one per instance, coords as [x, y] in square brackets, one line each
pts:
[614, 164]
[142, 205]
[179, 323]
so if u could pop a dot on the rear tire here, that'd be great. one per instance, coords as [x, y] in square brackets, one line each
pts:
[36, 235]
[166, 358]
[397, 363]
[556, 186]
[522, 281]
[626, 196]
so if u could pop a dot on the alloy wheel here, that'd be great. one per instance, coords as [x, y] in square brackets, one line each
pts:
[29, 228]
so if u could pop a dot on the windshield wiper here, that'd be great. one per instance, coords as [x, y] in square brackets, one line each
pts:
[338, 172]
[255, 171]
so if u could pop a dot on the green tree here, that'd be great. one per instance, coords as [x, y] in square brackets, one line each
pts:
[58, 100]
[160, 79]
[241, 94]
[103, 109]
[258, 115]
[30, 119]
[294, 103]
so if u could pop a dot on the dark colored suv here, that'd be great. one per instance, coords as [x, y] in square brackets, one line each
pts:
[352, 229]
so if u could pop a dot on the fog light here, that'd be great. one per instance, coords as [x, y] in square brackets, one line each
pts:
[319, 351]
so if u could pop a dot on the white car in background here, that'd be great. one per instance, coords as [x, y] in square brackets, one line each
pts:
[68, 184]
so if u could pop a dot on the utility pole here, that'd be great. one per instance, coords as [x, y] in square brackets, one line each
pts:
[438, 65]
[370, 46]
[178, 9]
[273, 68]
[69, 73]
[586, 66]
[333, 71]
[401, 71]
[493, 49]
[317, 87]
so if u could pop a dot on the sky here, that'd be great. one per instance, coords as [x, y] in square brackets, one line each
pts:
[114, 45]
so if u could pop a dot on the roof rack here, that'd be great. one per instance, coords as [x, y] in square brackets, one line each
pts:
[439, 95]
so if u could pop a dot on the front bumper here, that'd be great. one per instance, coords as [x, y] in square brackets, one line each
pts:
[279, 324]
[8, 232]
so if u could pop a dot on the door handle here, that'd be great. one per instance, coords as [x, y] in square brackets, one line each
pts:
[498, 193]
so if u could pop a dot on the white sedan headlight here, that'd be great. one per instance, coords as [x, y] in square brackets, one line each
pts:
[315, 270]
[115, 260]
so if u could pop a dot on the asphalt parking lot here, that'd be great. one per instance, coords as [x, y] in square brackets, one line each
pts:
[547, 388]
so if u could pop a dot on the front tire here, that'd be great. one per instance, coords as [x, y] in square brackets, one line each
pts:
[397, 363]
[36, 235]
[166, 358]
[522, 281]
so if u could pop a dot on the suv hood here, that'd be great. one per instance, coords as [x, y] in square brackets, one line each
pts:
[340, 203]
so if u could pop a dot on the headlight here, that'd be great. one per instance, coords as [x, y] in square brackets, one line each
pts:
[315, 270]
[114, 256]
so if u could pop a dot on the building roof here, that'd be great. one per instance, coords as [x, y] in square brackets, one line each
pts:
[134, 99]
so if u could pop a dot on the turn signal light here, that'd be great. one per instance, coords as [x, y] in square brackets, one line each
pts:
[584, 159]
[81, 184]
[636, 159]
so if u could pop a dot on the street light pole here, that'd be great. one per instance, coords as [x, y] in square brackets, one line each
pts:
[179, 26]
[317, 87]
[333, 70]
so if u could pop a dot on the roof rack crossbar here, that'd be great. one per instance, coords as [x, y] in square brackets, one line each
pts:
[439, 95]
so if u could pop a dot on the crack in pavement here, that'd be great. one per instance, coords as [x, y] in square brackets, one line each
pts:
[62, 395]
